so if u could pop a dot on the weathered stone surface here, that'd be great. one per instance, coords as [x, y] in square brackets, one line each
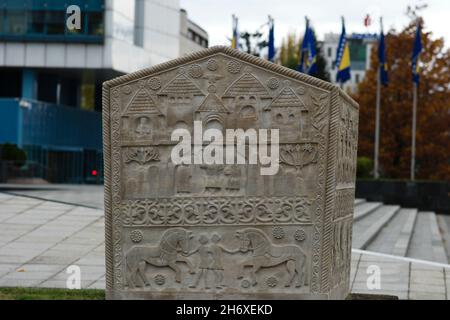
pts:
[226, 231]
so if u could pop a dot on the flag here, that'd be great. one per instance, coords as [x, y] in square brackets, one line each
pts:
[308, 52]
[271, 54]
[235, 39]
[415, 55]
[343, 58]
[367, 20]
[382, 59]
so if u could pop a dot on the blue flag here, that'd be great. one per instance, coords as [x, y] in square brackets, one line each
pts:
[343, 57]
[235, 38]
[271, 54]
[382, 60]
[415, 55]
[308, 52]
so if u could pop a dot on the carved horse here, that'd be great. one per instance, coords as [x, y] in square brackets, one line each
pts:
[165, 254]
[265, 254]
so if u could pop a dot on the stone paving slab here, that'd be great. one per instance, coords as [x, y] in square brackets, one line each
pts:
[37, 253]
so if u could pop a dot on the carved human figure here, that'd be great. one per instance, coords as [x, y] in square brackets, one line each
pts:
[183, 179]
[143, 128]
[217, 259]
[204, 265]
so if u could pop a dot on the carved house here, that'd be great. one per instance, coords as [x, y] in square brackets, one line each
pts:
[142, 120]
[289, 114]
[179, 98]
[212, 111]
[245, 97]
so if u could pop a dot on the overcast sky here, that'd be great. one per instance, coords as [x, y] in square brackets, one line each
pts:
[215, 16]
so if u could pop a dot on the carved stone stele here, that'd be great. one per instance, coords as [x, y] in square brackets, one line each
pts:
[224, 231]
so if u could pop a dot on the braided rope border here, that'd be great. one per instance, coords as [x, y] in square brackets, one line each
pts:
[330, 190]
[107, 191]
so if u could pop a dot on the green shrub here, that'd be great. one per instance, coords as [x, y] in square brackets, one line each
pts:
[364, 167]
[10, 152]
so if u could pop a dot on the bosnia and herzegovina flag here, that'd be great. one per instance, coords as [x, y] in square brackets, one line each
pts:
[343, 57]
[308, 52]
[235, 39]
[416, 53]
[382, 60]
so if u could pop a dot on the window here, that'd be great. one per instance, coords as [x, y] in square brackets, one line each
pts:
[357, 78]
[2, 21]
[329, 52]
[43, 21]
[16, 22]
[55, 22]
[37, 24]
[10, 83]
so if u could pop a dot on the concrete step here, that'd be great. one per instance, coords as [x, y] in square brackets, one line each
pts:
[359, 201]
[426, 241]
[364, 209]
[366, 229]
[444, 228]
[395, 236]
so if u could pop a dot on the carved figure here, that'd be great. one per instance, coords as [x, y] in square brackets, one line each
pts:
[165, 254]
[264, 254]
[203, 266]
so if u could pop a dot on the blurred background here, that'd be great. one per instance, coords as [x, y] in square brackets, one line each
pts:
[51, 75]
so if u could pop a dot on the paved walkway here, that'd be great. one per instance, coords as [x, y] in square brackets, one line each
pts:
[85, 194]
[39, 239]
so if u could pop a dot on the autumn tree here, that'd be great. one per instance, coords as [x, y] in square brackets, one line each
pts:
[289, 51]
[433, 109]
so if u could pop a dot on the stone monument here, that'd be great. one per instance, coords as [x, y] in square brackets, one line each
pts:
[227, 231]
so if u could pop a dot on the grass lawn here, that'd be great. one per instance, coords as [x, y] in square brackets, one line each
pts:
[50, 294]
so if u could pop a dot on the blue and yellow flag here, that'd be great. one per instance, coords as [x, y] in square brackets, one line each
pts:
[343, 57]
[235, 39]
[271, 42]
[308, 52]
[415, 55]
[382, 59]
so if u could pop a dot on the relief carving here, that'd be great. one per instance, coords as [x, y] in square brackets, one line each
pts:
[173, 244]
[214, 230]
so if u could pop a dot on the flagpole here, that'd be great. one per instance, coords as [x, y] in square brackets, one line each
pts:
[413, 138]
[376, 173]
[414, 115]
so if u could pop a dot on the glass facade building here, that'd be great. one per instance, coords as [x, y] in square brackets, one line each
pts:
[45, 20]
[51, 77]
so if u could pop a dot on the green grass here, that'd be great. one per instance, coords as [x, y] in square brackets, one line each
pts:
[50, 294]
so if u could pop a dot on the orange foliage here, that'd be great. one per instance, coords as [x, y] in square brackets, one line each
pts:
[433, 109]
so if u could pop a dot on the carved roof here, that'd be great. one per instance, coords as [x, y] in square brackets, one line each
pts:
[247, 85]
[212, 103]
[142, 102]
[286, 99]
[181, 85]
